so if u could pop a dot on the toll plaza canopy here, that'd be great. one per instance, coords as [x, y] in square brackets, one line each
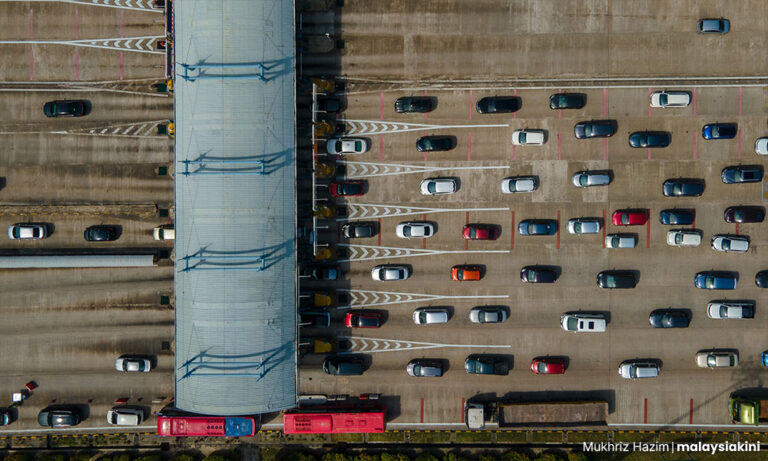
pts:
[235, 187]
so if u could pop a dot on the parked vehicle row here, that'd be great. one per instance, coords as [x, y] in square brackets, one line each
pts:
[71, 415]
[99, 233]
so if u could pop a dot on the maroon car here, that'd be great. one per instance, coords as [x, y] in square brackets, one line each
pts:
[740, 214]
[480, 232]
[548, 366]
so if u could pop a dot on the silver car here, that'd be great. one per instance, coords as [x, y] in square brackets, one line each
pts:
[425, 368]
[345, 146]
[585, 225]
[670, 99]
[439, 186]
[430, 315]
[519, 184]
[420, 230]
[488, 314]
[621, 240]
[730, 243]
[637, 369]
[133, 363]
[390, 272]
[589, 178]
[717, 359]
[684, 237]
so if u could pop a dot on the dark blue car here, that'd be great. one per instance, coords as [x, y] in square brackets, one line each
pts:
[677, 216]
[719, 131]
[537, 227]
[716, 280]
[742, 173]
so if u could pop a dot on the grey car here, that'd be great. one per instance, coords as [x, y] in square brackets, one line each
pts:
[741, 174]
[713, 26]
[589, 178]
[478, 364]
[580, 226]
[425, 368]
[621, 240]
[59, 417]
[346, 365]
[595, 129]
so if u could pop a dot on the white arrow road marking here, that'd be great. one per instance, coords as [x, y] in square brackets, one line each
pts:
[361, 253]
[366, 298]
[369, 210]
[370, 170]
[411, 345]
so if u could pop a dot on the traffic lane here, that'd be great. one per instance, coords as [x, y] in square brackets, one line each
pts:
[86, 184]
[67, 232]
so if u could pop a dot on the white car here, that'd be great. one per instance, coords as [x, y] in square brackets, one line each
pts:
[430, 315]
[583, 322]
[730, 243]
[634, 369]
[390, 272]
[731, 310]
[761, 146]
[346, 146]
[439, 186]
[715, 359]
[164, 233]
[528, 137]
[591, 178]
[419, 230]
[519, 184]
[670, 99]
[125, 416]
[684, 237]
[585, 226]
[132, 363]
[621, 240]
[488, 314]
[27, 231]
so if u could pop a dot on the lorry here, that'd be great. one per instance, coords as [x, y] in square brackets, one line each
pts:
[748, 410]
[577, 413]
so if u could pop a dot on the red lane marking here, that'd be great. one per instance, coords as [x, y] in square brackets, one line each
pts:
[425, 117]
[738, 136]
[421, 418]
[381, 106]
[514, 93]
[381, 147]
[466, 241]
[645, 411]
[690, 414]
[77, 65]
[514, 153]
[603, 227]
[694, 102]
[424, 240]
[31, 65]
[737, 228]
[649, 102]
[379, 232]
[605, 149]
[462, 409]
[605, 102]
[559, 146]
[121, 64]
[648, 233]
[469, 146]
[740, 92]
[512, 233]
[695, 137]
[558, 229]
[693, 224]
[470, 117]
[649, 153]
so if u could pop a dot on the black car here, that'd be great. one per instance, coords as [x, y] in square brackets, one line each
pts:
[650, 139]
[435, 143]
[683, 187]
[314, 319]
[359, 230]
[761, 279]
[677, 216]
[499, 105]
[595, 129]
[477, 364]
[100, 234]
[567, 101]
[64, 108]
[331, 105]
[59, 417]
[670, 318]
[617, 279]
[538, 274]
[345, 365]
[744, 214]
[323, 272]
[742, 173]
[420, 104]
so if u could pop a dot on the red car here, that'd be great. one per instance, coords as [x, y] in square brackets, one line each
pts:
[347, 188]
[480, 232]
[548, 366]
[630, 217]
[363, 319]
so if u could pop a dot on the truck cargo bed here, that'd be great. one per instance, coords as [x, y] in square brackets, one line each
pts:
[572, 413]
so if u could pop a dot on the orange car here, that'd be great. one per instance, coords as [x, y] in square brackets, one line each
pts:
[466, 273]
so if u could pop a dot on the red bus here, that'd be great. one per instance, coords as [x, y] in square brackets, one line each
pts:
[206, 426]
[329, 421]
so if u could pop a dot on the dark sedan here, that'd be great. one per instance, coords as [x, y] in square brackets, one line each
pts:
[677, 216]
[538, 274]
[595, 129]
[719, 131]
[359, 230]
[617, 279]
[435, 143]
[650, 139]
[744, 214]
[670, 318]
[65, 108]
[761, 279]
[347, 188]
[100, 234]
[742, 173]
[477, 364]
[537, 227]
[59, 417]
[347, 365]
[567, 101]
[683, 187]
[499, 105]
[323, 272]
[419, 104]
[716, 280]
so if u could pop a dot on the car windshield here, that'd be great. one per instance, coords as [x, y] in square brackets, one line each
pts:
[522, 137]
[472, 232]
[367, 321]
[625, 218]
[572, 323]
[738, 215]
[588, 129]
[583, 180]
[723, 311]
[633, 371]
[407, 231]
[677, 188]
[663, 99]
[422, 317]
[726, 244]
[679, 238]
[577, 227]
[715, 131]
[432, 187]
[358, 145]
[542, 367]
[615, 241]
[709, 282]
[711, 360]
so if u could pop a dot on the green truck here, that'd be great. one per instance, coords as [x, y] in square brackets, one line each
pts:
[745, 410]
